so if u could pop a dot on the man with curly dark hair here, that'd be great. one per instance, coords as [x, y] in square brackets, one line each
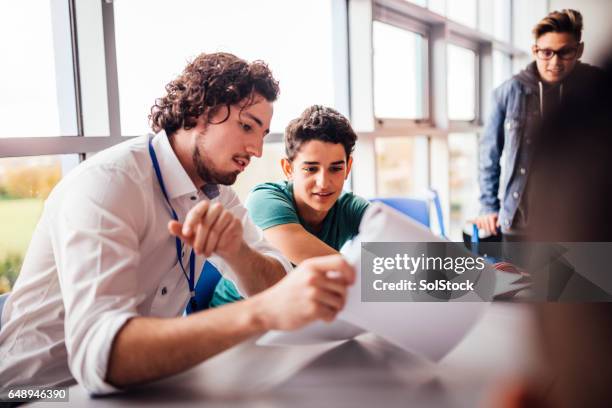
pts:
[309, 214]
[115, 257]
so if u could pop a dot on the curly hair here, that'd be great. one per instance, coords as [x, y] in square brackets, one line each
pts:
[319, 123]
[564, 21]
[208, 83]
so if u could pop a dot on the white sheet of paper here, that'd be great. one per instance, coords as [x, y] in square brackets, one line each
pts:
[314, 333]
[428, 329]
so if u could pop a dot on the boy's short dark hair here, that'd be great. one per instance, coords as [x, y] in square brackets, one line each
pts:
[319, 123]
[564, 21]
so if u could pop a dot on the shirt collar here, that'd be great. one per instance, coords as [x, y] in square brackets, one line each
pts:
[176, 180]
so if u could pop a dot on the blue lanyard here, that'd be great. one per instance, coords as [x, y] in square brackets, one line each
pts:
[191, 277]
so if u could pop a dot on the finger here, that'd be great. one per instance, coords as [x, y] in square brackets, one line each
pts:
[330, 299]
[491, 226]
[176, 228]
[337, 263]
[194, 216]
[216, 232]
[331, 285]
[326, 313]
[206, 226]
[200, 236]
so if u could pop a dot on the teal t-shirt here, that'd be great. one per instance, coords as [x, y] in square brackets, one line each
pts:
[272, 204]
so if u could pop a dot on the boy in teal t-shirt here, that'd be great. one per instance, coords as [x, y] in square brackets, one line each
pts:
[309, 215]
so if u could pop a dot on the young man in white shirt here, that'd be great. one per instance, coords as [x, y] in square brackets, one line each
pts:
[109, 269]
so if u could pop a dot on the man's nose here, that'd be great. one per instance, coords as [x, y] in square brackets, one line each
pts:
[255, 147]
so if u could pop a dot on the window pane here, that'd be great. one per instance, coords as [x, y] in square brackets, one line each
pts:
[401, 166]
[502, 67]
[463, 167]
[437, 6]
[485, 17]
[261, 170]
[398, 72]
[25, 182]
[502, 18]
[461, 83]
[463, 11]
[29, 84]
[280, 32]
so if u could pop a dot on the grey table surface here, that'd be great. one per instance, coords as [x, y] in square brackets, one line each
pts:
[366, 371]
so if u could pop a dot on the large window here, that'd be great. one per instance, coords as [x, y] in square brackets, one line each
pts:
[463, 11]
[155, 39]
[461, 74]
[399, 72]
[437, 6]
[401, 166]
[502, 67]
[25, 183]
[463, 169]
[32, 89]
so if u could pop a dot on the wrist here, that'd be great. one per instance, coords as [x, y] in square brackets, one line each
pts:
[259, 315]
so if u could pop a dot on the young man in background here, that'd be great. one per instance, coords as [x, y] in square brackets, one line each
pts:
[519, 105]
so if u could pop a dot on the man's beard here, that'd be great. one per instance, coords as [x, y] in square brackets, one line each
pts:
[207, 172]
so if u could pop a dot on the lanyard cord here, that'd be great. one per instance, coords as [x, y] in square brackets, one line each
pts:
[191, 277]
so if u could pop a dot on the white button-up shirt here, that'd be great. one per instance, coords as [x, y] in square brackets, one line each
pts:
[100, 255]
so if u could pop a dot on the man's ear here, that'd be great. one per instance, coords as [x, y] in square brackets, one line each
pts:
[580, 50]
[349, 165]
[534, 51]
[287, 168]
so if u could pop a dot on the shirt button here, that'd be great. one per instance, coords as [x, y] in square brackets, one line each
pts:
[507, 223]
[528, 141]
[523, 171]
[193, 198]
[164, 291]
[515, 195]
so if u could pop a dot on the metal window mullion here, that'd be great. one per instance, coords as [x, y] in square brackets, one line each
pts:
[112, 79]
[41, 146]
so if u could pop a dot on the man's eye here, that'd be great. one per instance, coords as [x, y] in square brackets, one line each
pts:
[310, 169]
[546, 53]
[337, 169]
[246, 127]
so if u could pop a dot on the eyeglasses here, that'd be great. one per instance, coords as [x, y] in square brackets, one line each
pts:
[566, 53]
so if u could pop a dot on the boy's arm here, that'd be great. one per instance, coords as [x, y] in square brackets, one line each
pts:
[296, 243]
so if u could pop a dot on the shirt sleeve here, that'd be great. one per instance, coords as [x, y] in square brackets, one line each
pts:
[353, 208]
[491, 146]
[269, 206]
[96, 248]
[253, 236]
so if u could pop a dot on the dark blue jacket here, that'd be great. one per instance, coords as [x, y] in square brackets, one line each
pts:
[518, 106]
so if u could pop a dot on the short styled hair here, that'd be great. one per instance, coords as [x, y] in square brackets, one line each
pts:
[319, 123]
[210, 82]
[564, 21]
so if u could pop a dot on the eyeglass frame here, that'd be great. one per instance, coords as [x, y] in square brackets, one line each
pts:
[575, 50]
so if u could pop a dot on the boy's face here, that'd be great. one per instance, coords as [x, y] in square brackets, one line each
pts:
[318, 172]
[223, 149]
[556, 55]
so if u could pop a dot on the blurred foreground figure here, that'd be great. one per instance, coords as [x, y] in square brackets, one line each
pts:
[571, 200]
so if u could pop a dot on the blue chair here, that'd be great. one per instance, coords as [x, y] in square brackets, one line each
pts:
[417, 209]
[205, 287]
[3, 299]
[412, 207]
